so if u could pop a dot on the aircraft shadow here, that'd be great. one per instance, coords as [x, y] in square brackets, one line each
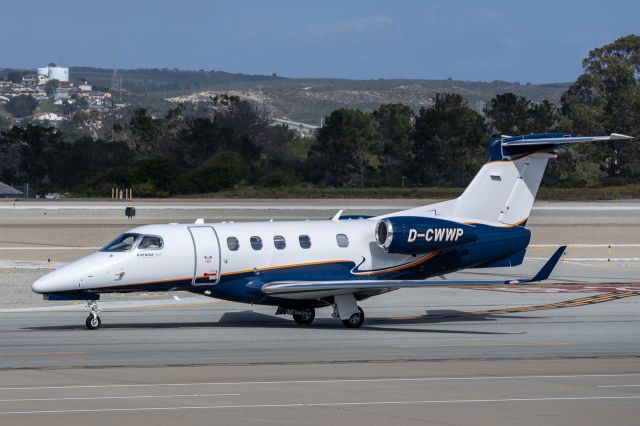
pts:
[251, 319]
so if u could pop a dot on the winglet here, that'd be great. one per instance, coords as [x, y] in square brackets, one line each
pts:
[548, 267]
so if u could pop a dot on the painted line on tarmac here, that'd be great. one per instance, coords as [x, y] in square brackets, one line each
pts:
[212, 207]
[327, 404]
[618, 386]
[41, 353]
[94, 398]
[488, 345]
[582, 301]
[324, 381]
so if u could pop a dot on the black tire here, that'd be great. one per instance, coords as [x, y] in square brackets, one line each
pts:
[305, 318]
[93, 323]
[356, 320]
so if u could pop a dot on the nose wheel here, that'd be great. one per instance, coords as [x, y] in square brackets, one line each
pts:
[93, 321]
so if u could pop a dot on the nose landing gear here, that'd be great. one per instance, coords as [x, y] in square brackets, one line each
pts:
[93, 321]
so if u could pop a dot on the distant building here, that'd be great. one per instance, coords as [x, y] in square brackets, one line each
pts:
[30, 79]
[85, 87]
[54, 72]
[50, 117]
[8, 191]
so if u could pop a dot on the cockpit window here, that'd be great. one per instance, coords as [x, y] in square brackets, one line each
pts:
[151, 242]
[124, 242]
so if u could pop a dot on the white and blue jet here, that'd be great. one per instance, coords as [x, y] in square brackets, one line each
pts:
[298, 266]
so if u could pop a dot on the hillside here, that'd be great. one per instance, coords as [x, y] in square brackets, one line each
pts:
[304, 99]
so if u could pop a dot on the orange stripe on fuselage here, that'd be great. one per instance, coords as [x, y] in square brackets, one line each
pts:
[498, 226]
[292, 265]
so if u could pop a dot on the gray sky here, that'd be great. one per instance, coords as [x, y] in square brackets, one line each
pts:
[538, 41]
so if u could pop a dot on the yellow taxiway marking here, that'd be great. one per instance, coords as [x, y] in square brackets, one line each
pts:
[480, 345]
[40, 353]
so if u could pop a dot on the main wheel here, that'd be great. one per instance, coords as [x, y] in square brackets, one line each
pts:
[93, 322]
[355, 320]
[306, 317]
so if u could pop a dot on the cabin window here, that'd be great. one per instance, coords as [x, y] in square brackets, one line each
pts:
[124, 242]
[305, 241]
[233, 243]
[256, 243]
[279, 242]
[342, 240]
[151, 242]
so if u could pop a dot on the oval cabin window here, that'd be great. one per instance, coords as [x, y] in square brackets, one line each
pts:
[233, 243]
[305, 241]
[342, 240]
[256, 243]
[279, 242]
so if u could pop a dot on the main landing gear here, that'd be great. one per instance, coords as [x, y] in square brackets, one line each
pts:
[355, 320]
[346, 308]
[93, 321]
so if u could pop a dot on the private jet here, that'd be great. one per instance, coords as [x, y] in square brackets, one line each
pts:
[300, 266]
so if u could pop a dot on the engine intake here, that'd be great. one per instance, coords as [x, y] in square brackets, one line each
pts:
[415, 235]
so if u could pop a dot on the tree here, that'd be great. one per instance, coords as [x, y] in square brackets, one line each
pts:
[15, 76]
[507, 113]
[21, 106]
[449, 141]
[515, 115]
[221, 172]
[51, 86]
[348, 147]
[604, 99]
[394, 123]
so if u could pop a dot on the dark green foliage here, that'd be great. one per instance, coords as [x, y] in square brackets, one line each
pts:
[510, 114]
[230, 144]
[220, 172]
[604, 99]
[449, 143]
[15, 76]
[347, 149]
[51, 86]
[21, 106]
[394, 123]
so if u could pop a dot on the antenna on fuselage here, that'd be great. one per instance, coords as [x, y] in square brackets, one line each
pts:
[337, 216]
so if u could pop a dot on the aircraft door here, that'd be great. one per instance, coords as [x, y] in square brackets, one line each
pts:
[206, 248]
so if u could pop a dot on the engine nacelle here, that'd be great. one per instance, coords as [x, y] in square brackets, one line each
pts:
[415, 235]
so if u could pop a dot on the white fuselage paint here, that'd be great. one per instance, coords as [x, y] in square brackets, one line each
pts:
[177, 259]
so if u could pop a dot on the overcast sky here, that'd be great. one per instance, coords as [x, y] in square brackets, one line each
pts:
[538, 41]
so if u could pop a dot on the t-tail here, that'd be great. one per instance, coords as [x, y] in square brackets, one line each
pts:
[505, 188]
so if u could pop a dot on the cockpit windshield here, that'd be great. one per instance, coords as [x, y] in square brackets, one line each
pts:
[124, 242]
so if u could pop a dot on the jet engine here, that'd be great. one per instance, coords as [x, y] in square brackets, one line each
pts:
[415, 235]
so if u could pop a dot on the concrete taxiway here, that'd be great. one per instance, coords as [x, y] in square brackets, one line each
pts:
[526, 392]
[563, 353]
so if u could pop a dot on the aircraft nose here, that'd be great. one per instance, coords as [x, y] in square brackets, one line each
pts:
[58, 280]
[41, 285]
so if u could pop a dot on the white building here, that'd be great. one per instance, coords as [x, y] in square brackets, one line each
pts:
[54, 72]
[50, 117]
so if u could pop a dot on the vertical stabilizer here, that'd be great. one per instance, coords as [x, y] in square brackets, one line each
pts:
[505, 188]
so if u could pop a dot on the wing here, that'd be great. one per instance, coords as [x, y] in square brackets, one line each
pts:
[321, 289]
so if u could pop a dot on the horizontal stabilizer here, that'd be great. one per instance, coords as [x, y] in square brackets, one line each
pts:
[505, 148]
